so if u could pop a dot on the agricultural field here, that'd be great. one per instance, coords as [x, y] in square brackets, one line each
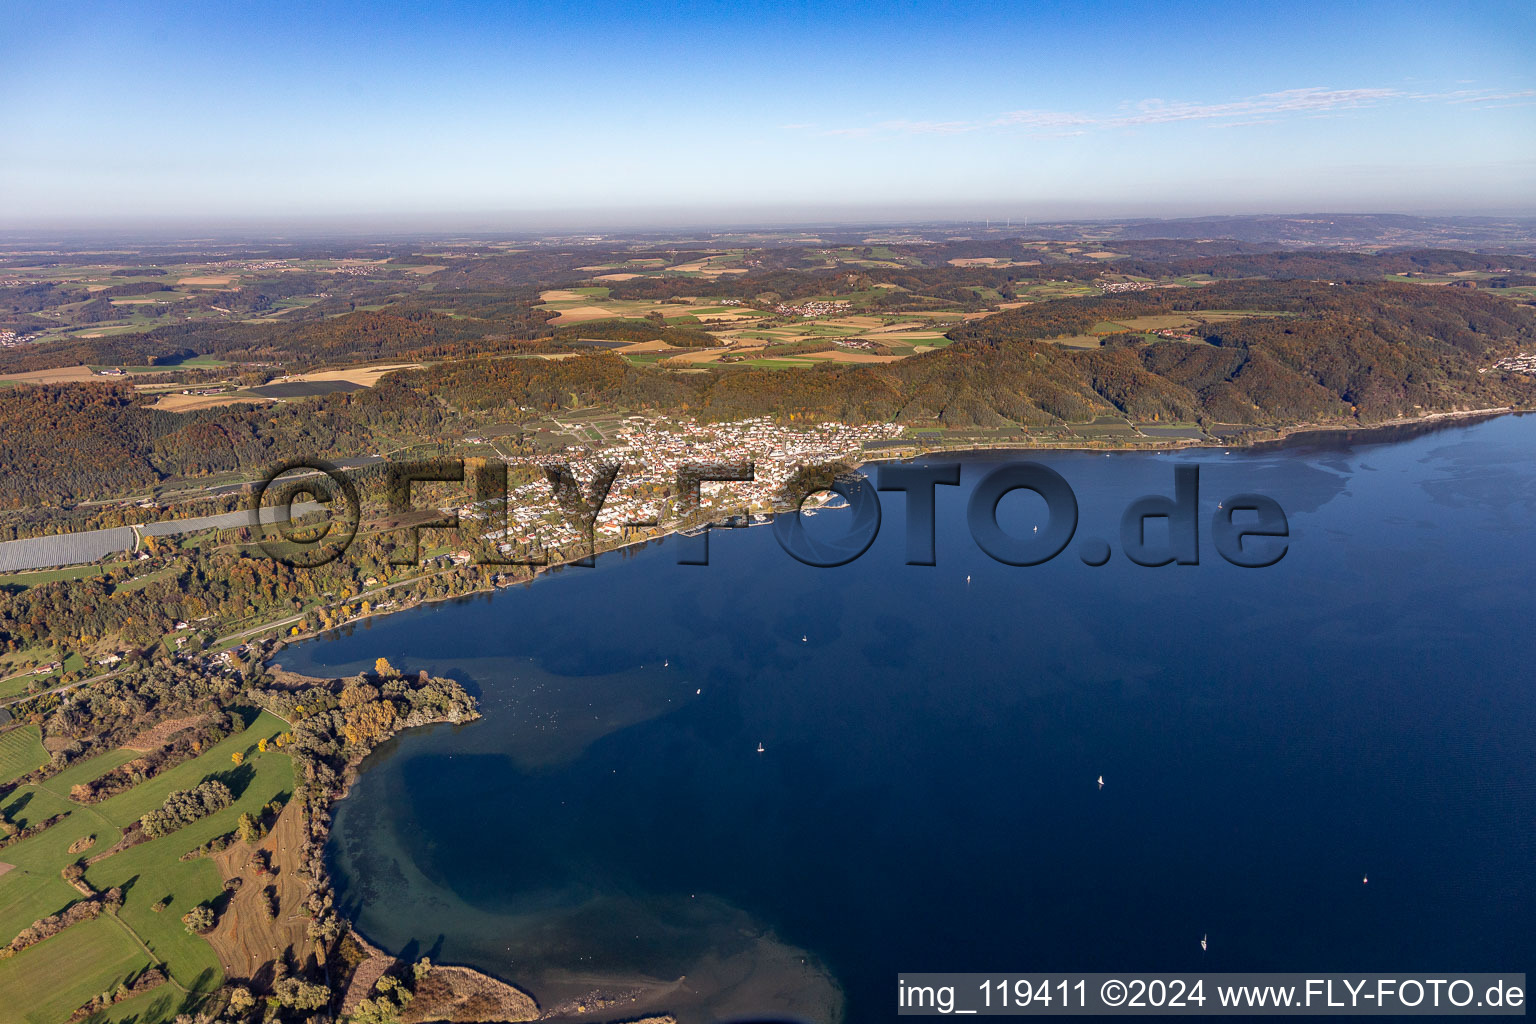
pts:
[77, 572]
[578, 305]
[1159, 327]
[101, 300]
[178, 402]
[96, 955]
[795, 339]
[20, 751]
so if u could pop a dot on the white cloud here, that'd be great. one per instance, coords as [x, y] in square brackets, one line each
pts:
[1265, 108]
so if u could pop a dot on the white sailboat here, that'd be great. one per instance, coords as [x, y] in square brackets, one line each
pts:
[759, 748]
[1101, 782]
[1204, 943]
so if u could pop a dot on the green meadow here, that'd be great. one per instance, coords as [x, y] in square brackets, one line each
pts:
[96, 955]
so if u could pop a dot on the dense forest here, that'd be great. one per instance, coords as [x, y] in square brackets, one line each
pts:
[73, 441]
[407, 331]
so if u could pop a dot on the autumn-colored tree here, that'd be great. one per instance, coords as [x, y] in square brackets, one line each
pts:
[238, 757]
[367, 724]
[356, 694]
[248, 828]
[199, 919]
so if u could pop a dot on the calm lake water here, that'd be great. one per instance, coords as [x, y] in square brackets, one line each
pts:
[927, 797]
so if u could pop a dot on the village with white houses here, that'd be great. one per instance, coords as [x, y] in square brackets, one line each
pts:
[1524, 363]
[653, 453]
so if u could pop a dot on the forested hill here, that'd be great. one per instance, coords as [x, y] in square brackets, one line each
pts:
[406, 330]
[1309, 353]
[1363, 354]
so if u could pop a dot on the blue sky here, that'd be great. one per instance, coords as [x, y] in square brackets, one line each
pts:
[634, 113]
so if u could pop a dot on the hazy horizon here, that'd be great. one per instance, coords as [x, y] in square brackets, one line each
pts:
[494, 224]
[522, 117]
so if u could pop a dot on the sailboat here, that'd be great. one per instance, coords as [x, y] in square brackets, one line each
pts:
[1203, 943]
[805, 639]
[1101, 782]
[759, 748]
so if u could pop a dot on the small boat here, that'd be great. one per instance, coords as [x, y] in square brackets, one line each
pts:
[1203, 943]
[1101, 782]
[698, 691]
[805, 639]
[967, 581]
[759, 748]
[667, 662]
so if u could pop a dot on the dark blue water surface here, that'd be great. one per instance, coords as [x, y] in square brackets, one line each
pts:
[926, 799]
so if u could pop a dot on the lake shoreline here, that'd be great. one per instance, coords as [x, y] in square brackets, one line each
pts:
[1284, 437]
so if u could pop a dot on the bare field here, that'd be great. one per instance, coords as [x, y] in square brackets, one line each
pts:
[581, 314]
[578, 306]
[245, 939]
[208, 279]
[366, 376]
[701, 355]
[191, 403]
[60, 375]
[648, 346]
